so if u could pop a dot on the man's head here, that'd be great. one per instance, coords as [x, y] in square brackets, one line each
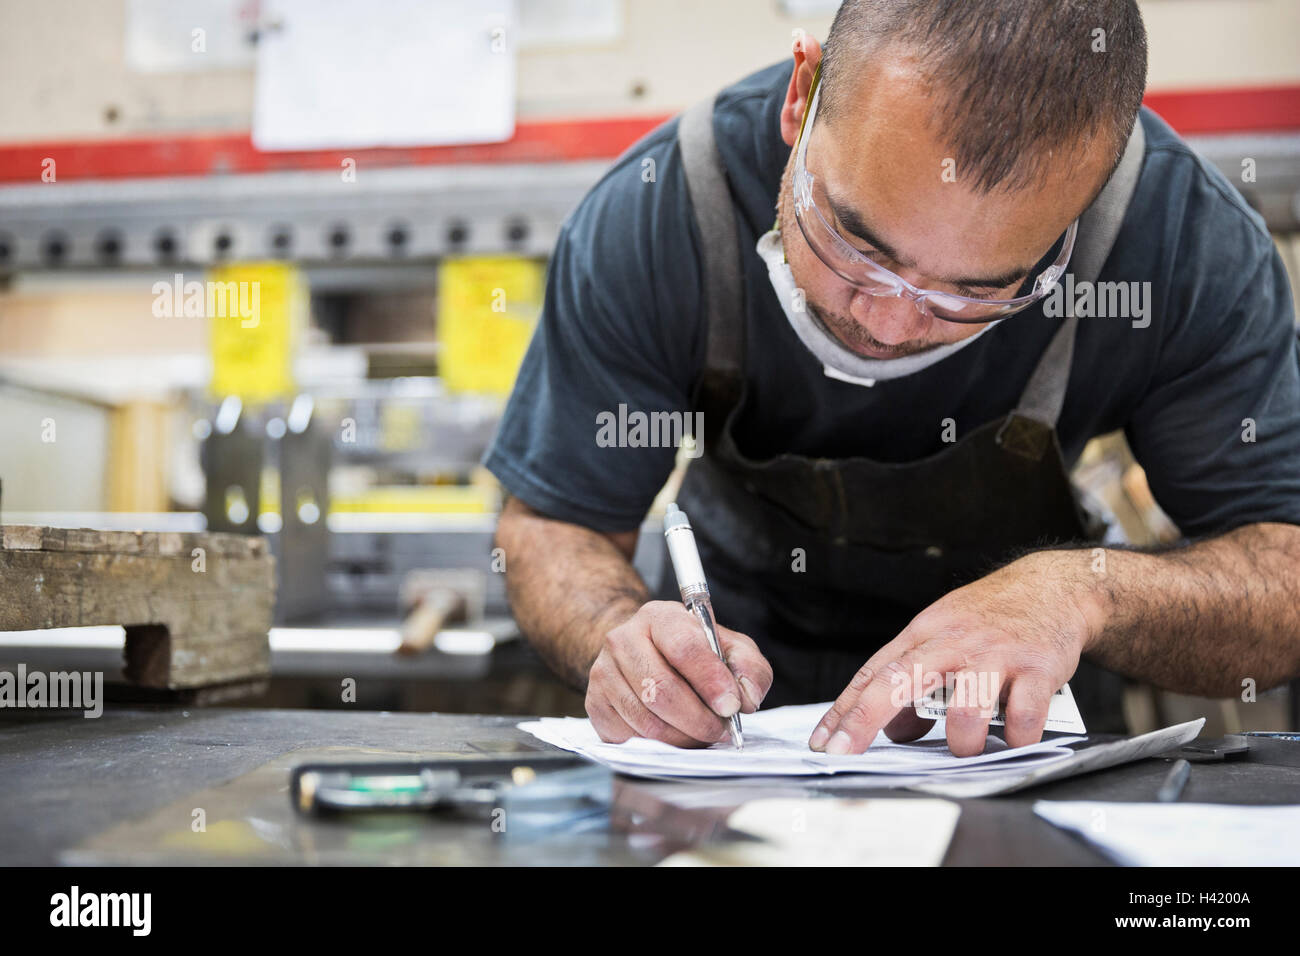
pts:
[957, 142]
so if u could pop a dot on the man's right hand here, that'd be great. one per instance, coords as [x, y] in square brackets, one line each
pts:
[657, 677]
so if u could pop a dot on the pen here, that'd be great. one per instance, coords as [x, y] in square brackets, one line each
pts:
[695, 590]
[1174, 782]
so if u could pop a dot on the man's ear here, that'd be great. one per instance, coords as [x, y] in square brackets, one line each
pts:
[807, 54]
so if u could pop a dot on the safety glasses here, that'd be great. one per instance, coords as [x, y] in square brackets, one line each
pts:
[812, 212]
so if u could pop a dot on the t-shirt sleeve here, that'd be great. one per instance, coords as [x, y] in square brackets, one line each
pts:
[1218, 429]
[620, 326]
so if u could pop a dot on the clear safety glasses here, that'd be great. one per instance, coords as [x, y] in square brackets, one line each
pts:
[812, 212]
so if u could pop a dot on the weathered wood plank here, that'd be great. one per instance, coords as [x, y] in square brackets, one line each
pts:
[189, 623]
[88, 540]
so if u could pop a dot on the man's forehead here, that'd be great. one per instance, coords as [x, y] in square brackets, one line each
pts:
[892, 102]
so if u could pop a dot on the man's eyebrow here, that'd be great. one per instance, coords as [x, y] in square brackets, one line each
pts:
[850, 220]
[1011, 277]
[854, 224]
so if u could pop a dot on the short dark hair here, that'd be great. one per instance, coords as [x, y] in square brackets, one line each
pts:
[1016, 78]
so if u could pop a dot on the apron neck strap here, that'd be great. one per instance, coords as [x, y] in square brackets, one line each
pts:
[719, 258]
[1044, 395]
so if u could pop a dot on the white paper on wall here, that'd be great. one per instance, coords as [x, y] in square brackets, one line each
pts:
[336, 74]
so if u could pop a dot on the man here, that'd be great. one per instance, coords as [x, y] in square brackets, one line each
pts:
[892, 391]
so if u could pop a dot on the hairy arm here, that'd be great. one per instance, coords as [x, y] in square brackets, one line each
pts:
[567, 585]
[1203, 618]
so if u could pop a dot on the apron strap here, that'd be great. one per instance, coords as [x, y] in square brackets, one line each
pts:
[706, 182]
[1044, 396]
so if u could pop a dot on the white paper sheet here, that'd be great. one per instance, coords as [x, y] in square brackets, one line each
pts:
[1182, 834]
[829, 832]
[333, 74]
[776, 744]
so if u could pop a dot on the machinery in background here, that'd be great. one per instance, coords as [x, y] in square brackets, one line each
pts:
[294, 450]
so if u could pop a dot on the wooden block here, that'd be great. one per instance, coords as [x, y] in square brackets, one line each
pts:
[185, 627]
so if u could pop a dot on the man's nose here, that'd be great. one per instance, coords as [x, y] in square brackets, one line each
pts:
[891, 320]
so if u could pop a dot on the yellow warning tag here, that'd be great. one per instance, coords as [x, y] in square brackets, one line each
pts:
[253, 310]
[487, 307]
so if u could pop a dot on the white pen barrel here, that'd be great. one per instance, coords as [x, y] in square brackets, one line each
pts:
[684, 555]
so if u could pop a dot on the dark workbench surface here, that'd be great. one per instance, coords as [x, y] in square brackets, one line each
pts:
[123, 789]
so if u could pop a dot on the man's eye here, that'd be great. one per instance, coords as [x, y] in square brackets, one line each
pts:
[866, 251]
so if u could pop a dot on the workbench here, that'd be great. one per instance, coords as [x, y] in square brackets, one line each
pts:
[124, 788]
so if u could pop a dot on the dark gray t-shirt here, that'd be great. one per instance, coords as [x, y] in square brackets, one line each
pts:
[623, 324]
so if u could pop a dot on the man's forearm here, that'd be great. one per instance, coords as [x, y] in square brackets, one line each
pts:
[1201, 619]
[567, 587]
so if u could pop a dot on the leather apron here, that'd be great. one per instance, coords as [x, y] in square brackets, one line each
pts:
[822, 561]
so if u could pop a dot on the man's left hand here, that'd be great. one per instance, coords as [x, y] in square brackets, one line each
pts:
[1013, 636]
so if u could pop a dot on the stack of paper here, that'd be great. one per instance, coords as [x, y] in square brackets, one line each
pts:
[776, 743]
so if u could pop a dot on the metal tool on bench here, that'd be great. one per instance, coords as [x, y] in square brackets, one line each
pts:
[528, 793]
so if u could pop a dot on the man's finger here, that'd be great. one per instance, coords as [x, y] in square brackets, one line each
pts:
[1027, 706]
[747, 663]
[972, 702]
[867, 673]
[679, 637]
[609, 726]
[663, 690]
[908, 726]
[636, 715]
[912, 637]
[887, 690]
